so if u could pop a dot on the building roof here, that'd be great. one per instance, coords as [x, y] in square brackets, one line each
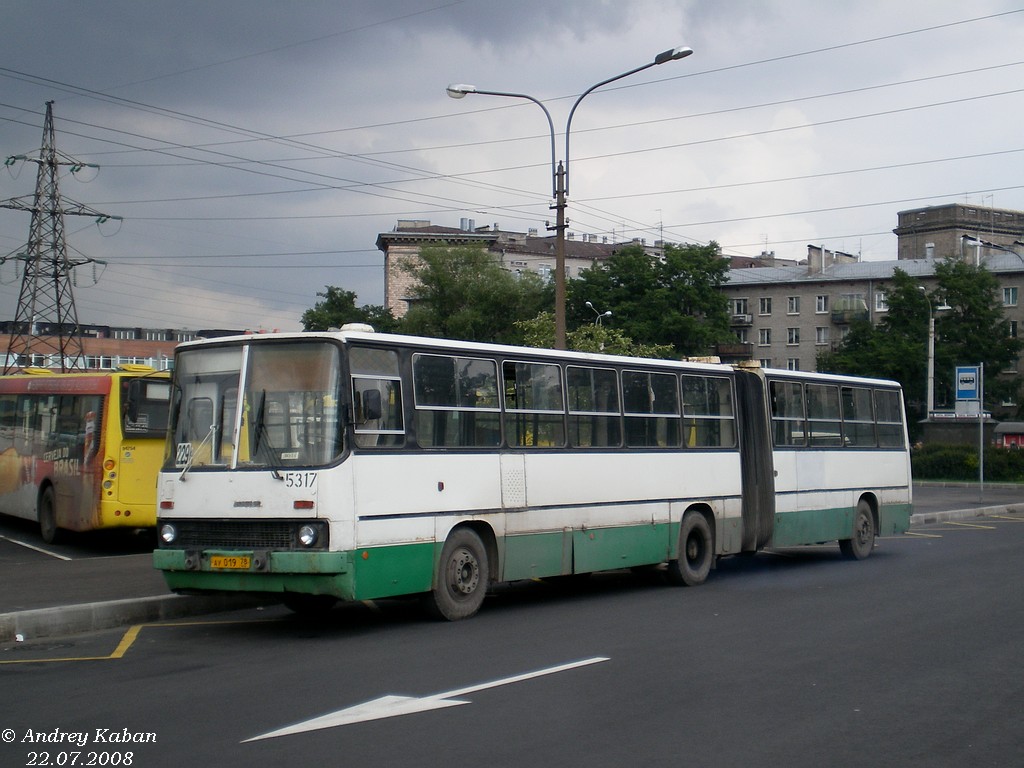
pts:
[863, 270]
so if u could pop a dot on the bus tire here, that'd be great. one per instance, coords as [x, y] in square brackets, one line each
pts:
[48, 516]
[863, 541]
[462, 577]
[696, 551]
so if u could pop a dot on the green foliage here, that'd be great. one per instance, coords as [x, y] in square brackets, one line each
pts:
[974, 330]
[540, 332]
[675, 300]
[939, 461]
[463, 293]
[339, 307]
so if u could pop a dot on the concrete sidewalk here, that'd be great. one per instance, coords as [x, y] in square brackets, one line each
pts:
[47, 597]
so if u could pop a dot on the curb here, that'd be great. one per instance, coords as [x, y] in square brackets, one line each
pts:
[960, 514]
[64, 620]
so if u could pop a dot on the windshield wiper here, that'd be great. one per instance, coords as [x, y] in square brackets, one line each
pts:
[197, 449]
[259, 432]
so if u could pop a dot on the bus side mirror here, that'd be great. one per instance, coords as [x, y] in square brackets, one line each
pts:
[371, 405]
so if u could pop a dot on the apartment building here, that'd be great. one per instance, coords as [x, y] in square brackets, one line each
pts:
[787, 315]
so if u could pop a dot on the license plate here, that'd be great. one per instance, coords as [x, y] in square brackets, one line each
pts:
[231, 562]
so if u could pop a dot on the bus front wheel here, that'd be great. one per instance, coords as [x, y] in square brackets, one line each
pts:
[696, 551]
[48, 516]
[863, 541]
[462, 577]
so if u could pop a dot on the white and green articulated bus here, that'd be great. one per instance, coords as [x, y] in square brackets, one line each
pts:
[355, 465]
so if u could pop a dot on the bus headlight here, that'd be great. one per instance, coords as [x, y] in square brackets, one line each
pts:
[168, 533]
[308, 535]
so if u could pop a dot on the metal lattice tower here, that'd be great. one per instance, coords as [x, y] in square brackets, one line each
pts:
[46, 321]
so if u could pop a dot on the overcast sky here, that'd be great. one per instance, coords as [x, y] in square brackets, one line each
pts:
[255, 148]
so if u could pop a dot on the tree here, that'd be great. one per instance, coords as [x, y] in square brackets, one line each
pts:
[339, 307]
[673, 300]
[463, 293]
[973, 330]
[897, 348]
[590, 337]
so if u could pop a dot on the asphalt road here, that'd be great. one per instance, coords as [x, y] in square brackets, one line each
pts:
[795, 658]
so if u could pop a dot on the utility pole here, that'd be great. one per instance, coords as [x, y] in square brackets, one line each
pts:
[46, 321]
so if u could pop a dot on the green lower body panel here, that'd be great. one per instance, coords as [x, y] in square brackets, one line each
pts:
[820, 525]
[894, 519]
[539, 555]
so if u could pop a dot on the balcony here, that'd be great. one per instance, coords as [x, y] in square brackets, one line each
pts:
[741, 320]
[850, 309]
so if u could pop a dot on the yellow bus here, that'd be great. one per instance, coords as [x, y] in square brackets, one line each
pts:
[81, 451]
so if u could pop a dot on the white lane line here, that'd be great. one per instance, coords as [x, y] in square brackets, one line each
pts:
[34, 548]
[393, 706]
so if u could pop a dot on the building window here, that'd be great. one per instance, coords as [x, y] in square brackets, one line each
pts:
[792, 336]
[764, 305]
[742, 335]
[765, 362]
[1010, 297]
[821, 304]
[793, 364]
[793, 305]
[821, 335]
[1013, 329]
[739, 307]
[881, 302]
[764, 337]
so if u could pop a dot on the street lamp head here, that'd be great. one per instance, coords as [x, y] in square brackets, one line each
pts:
[459, 90]
[673, 54]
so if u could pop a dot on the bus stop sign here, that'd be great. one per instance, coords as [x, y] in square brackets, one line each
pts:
[967, 382]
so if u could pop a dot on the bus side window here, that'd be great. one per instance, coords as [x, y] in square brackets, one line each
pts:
[534, 405]
[377, 407]
[708, 413]
[788, 426]
[889, 415]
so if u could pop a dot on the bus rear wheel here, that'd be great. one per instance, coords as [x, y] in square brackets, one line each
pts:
[48, 517]
[696, 551]
[462, 577]
[863, 541]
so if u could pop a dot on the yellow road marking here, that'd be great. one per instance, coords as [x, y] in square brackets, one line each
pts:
[972, 525]
[1004, 517]
[128, 639]
[922, 535]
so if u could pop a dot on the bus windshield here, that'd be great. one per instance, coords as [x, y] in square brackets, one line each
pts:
[287, 415]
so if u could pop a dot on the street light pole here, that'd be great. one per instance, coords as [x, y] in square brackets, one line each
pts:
[600, 315]
[931, 354]
[560, 169]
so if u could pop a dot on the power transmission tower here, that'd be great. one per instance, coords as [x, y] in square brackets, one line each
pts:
[46, 321]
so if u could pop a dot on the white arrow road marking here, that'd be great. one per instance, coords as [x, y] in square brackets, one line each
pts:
[393, 706]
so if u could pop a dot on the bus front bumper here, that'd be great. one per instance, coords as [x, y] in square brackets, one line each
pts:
[313, 573]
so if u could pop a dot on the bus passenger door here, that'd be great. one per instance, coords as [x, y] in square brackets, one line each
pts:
[531, 550]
